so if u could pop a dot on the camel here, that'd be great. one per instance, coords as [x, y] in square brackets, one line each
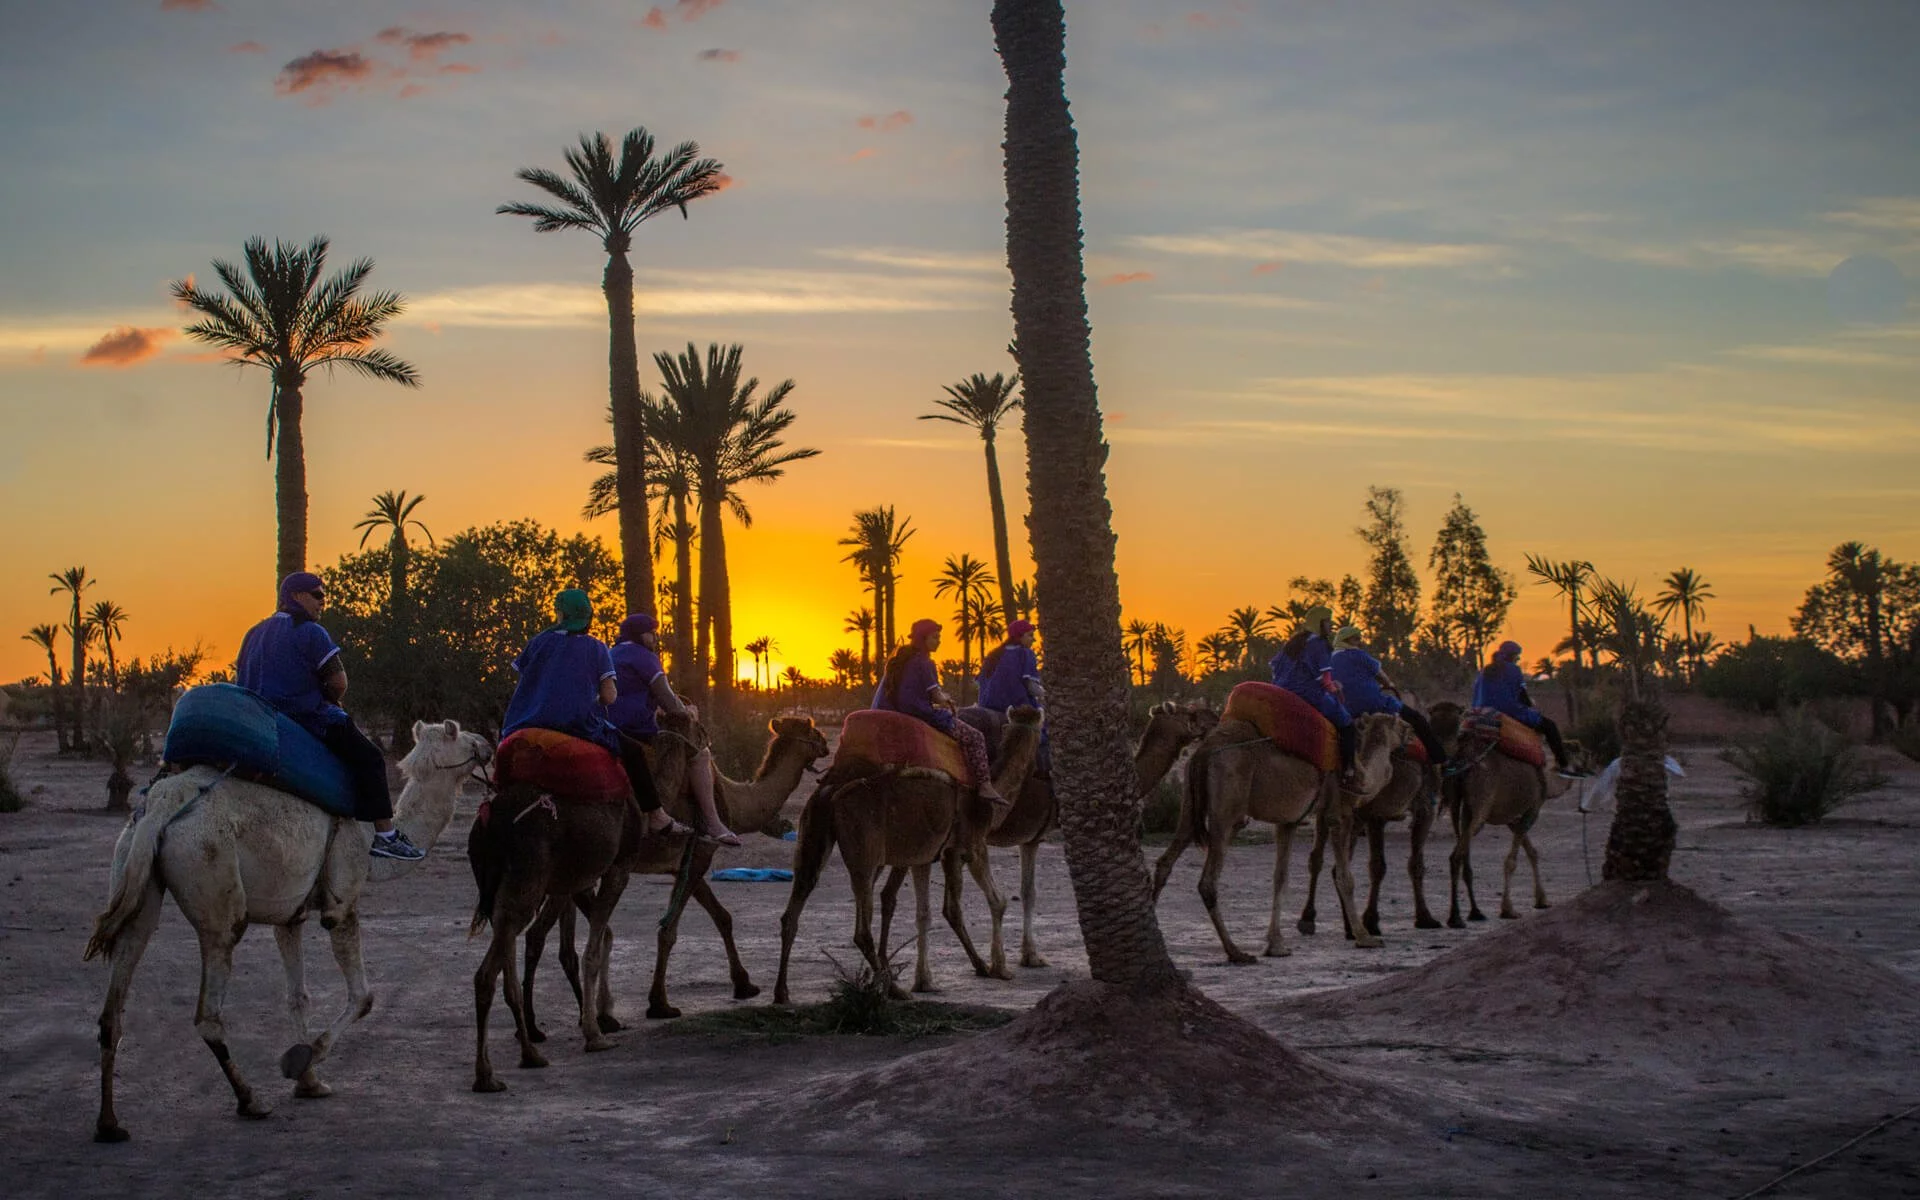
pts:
[233, 854]
[1235, 773]
[1496, 789]
[794, 747]
[1410, 792]
[1170, 729]
[905, 817]
[537, 850]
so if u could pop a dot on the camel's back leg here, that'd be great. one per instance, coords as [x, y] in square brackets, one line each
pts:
[536, 944]
[1533, 859]
[1315, 858]
[703, 894]
[594, 969]
[810, 852]
[216, 969]
[922, 924]
[1420, 827]
[698, 860]
[1376, 871]
[1029, 861]
[125, 959]
[889, 896]
[1506, 875]
[1216, 861]
[1282, 852]
[293, 960]
[1343, 880]
[982, 869]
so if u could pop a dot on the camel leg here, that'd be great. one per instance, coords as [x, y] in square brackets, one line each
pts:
[743, 985]
[1460, 866]
[863, 929]
[982, 870]
[1315, 858]
[1282, 854]
[127, 949]
[889, 896]
[498, 963]
[1029, 949]
[956, 915]
[288, 939]
[595, 988]
[1533, 860]
[1376, 871]
[1218, 833]
[216, 968]
[923, 924]
[345, 938]
[1421, 827]
[810, 854]
[1343, 884]
[536, 939]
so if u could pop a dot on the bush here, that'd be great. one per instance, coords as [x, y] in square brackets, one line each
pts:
[1598, 734]
[1161, 811]
[1772, 673]
[10, 799]
[1800, 771]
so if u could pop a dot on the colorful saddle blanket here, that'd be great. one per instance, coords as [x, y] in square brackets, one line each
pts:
[1290, 721]
[1415, 750]
[1513, 739]
[880, 738]
[223, 724]
[562, 764]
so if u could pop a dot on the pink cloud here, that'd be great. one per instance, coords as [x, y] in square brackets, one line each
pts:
[125, 346]
[411, 90]
[723, 181]
[423, 47]
[727, 56]
[655, 19]
[323, 72]
[687, 10]
[247, 48]
[1267, 268]
[857, 155]
[899, 118]
[1126, 277]
[188, 6]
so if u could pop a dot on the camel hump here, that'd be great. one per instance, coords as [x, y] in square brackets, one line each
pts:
[880, 738]
[548, 761]
[1294, 725]
[1510, 737]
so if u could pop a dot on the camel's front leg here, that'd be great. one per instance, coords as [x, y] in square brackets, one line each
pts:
[743, 985]
[127, 949]
[594, 984]
[300, 1059]
[956, 916]
[497, 964]
[1343, 882]
[1315, 857]
[1533, 860]
[923, 925]
[289, 939]
[996, 905]
[1460, 865]
[1210, 889]
[889, 896]
[1282, 853]
[863, 929]
[216, 968]
[1506, 877]
[1376, 871]
[1421, 827]
[1029, 948]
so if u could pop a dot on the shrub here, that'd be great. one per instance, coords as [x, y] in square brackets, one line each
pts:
[1800, 771]
[1771, 673]
[1598, 734]
[1161, 811]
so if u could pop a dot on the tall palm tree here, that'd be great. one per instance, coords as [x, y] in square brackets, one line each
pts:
[1249, 626]
[1861, 573]
[860, 621]
[1217, 651]
[758, 648]
[1072, 522]
[1024, 605]
[610, 197]
[1138, 635]
[74, 582]
[1570, 579]
[980, 404]
[1686, 593]
[282, 317]
[671, 480]
[967, 580]
[105, 619]
[47, 637]
[731, 436]
[877, 542]
[393, 512]
[844, 665]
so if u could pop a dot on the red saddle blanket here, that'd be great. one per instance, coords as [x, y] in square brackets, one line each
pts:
[1512, 738]
[881, 738]
[1416, 751]
[562, 764]
[1291, 722]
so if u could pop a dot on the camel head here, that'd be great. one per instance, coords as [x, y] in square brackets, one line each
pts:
[1377, 736]
[443, 755]
[792, 731]
[1445, 717]
[1178, 725]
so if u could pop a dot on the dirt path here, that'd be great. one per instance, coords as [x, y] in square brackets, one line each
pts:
[655, 1113]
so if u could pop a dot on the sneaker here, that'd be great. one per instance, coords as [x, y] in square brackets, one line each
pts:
[398, 847]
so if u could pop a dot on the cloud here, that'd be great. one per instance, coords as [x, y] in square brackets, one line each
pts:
[862, 152]
[1124, 277]
[1329, 249]
[1895, 213]
[248, 47]
[687, 10]
[723, 181]
[1245, 300]
[323, 73]
[423, 47]
[1266, 268]
[188, 6]
[125, 346]
[898, 119]
[725, 56]
[994, 263]
[1824, 356]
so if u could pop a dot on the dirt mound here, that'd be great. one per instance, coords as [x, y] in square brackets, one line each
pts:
[1641, 970]
[1086, 1057]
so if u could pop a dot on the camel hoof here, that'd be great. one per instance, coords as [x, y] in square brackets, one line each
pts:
[1241, 958]
[1279, 952]
[1348, 930]
[536, 1035]
[1507, 914]
[1032, 961]
[1000, 972]
[489, 1083]
[1476, 915]
[1425, 923]
[1305, 925]
[294, 1063]
[610, 1023]
[314, 1090]
[531, 1061]
[597, 1044]
[745, 991]
[1371, 925]
[1454, 922]
[894, 992]
[110, 1134]
[1541, 904]
[661, 1012]
[780, 997]
[1367, 943]
[253, 1110]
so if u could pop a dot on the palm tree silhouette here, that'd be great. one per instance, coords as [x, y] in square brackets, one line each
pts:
[1138, 635]
[393, 511]
[610, 197]
[860, 621]
[1248, 627]
[47, 637]
[980, 403]
[105, 619]
[280, 316]
[877, 542]
[74, 582]
[967, 580]
[1686, 593]
[1569, 579]
[1024, 604]
[758, 648]
[670, 480]
[1218, 651]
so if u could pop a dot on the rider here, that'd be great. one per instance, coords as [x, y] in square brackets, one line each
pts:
[1501, 686]
[566, 680]
[911, 685]
[1304, 667]
[642, 683]
[1365, 687]
[1010, 676]
[290, 661]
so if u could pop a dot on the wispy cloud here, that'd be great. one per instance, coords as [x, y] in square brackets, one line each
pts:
[125, 346]
[919, 260]
[1328, 249]
[687, 10]
[1824, 356]
[1899, 213]
[188, 6]
[322, 73]
[423, 47]
[896, 120]
[1119, 278]
[718, 55]
[1245, 300]
[248, 47]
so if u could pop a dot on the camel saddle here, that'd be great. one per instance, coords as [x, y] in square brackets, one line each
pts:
[1293, 725]
[1415, 751]
[1481, 726]
[227, 726]
[569, 767]
[877, 739]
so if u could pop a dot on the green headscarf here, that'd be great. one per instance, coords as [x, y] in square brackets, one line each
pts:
[574, 610]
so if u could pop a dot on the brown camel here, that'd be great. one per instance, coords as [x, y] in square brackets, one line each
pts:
[905, 817]
[1170, 729]
[795, 746]
[1235, 773]
[1410, 792]
[1496, 789]
[537, 849]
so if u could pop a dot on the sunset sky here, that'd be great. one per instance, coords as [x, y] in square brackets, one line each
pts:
[1574, 261]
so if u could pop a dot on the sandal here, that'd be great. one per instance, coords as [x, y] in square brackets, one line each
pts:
[726, 837]
[672, 828]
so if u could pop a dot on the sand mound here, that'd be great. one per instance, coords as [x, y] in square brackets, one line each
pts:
[1640, 970]
[1086, 1056]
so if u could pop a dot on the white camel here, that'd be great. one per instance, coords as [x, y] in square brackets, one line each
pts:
[234, 854]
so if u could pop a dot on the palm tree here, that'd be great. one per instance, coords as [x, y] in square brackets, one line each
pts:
[1568, 578]
[105, 619]
[758, 648]
[1071, 520]
[1138, 635]
[47, 637]
[1218, 651]
[1248, 626]
[671, 480]
[844, 666]
[1687, 594]
[74, 582]
[860, 621]
[980, 404]
[393, 512]
[281, 317]
[877, 542]
[966, 579]
[1024, 604]
[730, 436]
[610, 198]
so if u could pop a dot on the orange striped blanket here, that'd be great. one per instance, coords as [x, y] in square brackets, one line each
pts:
[881, 738]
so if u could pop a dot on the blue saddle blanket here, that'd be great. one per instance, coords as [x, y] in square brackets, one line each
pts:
[222, 724]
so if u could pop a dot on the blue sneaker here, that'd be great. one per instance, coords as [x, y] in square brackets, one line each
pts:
[396, 846]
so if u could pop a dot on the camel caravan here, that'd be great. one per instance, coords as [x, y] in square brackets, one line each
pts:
[602, 771]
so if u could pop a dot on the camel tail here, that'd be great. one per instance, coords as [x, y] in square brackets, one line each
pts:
[815, 840]
[133, 870]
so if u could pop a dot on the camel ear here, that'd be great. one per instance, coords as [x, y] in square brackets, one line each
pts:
[452, 727]
[418, 726]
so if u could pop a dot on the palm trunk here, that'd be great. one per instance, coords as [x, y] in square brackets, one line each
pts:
[685, 664]
[629, 435]
[1693, 671]
[400, 638]
[892, 601]
[1072, 522]
[290, 476]
[79, 677]
[1573, 682]
[1640, 844]
[866, 659]
[54, 693]
[113, 669]
[1002, 554]
[715, 602]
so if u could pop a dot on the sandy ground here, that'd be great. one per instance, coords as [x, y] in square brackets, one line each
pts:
[700, 1115]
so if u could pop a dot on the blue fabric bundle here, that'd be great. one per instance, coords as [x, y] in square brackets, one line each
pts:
[753, 875]
[222, 724]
